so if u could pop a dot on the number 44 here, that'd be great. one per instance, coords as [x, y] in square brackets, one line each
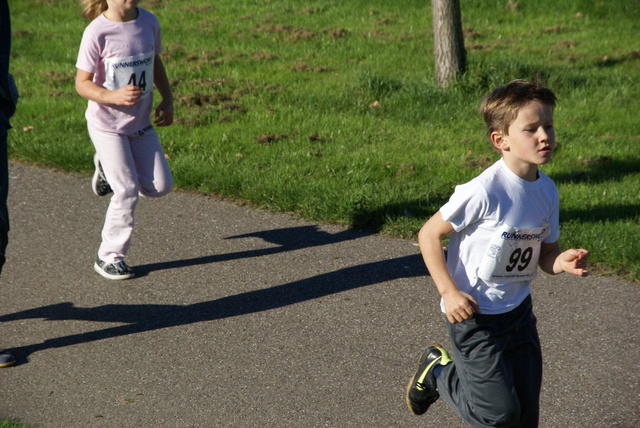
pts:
[141, 83]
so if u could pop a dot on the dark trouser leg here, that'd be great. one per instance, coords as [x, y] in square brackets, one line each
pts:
[4, 191]
[526, 364]
[496, 374]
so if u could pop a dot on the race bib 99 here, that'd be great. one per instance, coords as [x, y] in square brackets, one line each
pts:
[513, 254]
[134, 70]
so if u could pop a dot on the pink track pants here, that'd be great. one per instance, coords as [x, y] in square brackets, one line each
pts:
[133, 165]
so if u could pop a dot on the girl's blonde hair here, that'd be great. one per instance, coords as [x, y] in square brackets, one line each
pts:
[93, 8]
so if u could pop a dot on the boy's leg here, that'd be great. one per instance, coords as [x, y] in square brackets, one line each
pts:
[526, 362]
[481, 384]
[154, 175]
[114, 152]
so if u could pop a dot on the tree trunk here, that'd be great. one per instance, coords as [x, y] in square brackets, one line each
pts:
[449, 54]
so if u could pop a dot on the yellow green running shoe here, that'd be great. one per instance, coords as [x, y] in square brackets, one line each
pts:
[6, 359]
[422, 391]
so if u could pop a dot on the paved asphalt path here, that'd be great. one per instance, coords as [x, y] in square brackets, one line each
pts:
[243, 318]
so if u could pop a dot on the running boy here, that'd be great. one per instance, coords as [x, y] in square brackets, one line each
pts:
[117, 68]
[502, 225]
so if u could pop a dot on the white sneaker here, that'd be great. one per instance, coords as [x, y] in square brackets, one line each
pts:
[99, 182]
[118, 270]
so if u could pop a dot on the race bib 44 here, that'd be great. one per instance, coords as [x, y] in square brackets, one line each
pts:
[134, 70]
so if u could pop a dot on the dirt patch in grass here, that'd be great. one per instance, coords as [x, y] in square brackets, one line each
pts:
[475, 162]
[566, 44]
[555, 29]
[405, 169]
[336, 33]
[512, 6]
[212, 100]
[172, 51]
[197, 9]
[267, 139]
[197, 99]
[292, 33]
[308, 11]
[58, 79]
[471, 33]
[264, 56]
[589, 162]
[302, 67]
[154, 4]
[316, 138]
[300, 34]
[208, 82]
[384, 21]
[608, 60]
[477, 46]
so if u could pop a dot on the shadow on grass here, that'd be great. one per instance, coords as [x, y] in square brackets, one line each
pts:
[601, 213]
[374, 219]
[599, 170]
[149, 317]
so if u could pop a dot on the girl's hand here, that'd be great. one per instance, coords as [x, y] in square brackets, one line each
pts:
[459, 306]
[125, 96]
[164, 113]
[573, 261]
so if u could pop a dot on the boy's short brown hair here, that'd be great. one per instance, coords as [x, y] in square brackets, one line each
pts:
[500, 108]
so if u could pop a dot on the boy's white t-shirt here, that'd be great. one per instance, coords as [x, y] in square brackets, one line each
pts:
[500, 221]
[118, 54]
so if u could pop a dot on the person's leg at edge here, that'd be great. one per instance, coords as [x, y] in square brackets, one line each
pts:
[4, 192]
[7, 108]
[6, 359]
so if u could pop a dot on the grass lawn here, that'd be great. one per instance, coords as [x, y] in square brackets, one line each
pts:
[11, 423]
[329, 109]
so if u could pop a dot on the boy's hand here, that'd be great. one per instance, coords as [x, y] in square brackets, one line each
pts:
[459, 306]
[573, 261]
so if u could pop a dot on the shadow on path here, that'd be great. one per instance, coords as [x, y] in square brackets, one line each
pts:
[149, 317]
[288, 239]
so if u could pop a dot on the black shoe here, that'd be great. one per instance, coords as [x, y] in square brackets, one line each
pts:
[99, 182]
[118, 270]
[422, 391]
[6, 359]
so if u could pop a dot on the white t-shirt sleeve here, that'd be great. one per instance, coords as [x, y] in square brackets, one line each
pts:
[468, 204]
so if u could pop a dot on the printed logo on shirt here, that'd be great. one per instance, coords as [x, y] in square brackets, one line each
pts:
[144, 130]
[519, 236]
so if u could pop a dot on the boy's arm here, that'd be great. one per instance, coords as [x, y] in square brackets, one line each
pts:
[459, 306]
[553, 261]
[164, 111]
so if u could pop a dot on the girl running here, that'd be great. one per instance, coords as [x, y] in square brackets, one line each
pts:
[118, 65]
